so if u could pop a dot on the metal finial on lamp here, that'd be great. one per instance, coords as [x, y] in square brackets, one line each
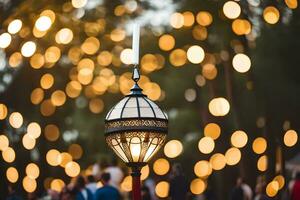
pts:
[136, 128]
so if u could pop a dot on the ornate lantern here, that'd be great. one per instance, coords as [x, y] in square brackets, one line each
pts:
[136, 128]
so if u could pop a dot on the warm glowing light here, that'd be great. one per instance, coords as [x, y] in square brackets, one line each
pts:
[57, 185]
[58, 98]
[233, 156]
[37, 61]
[51, 132]
[29, 184]
[117, 35]
[76, 151]
[259, 145]
[189, 18]
[241, 63]
[232, 9]
[79, 3]
[152, 90]
[16, 119]
[8, 155]
[28, 49]
[64, 36]
[14, 26]
[292, 4]
[47, 81]
[166, 42]
[53, 157]
[241, 26]
[161, 166]
[178, 57]
[204, 18]
[177, 20]
[262, 163]
[32, 171]
[202, 168]
[290, 138]
[195, 54]
[209, 71]
[280, 180]
[272, 188]
[90, 46]
[52, 54]
[34, 130]
[145, 172]
[217, 161]
[4, 142]
[173, 148]
[126, 56]
[65, 158]
[271, 15]
[206, 145]
[239, 139]
[126, 184]
[212, 130]
[15, 59]
[197, 186]
[72, 169]
[28, 142]
[162, 189]
[43, 23]
[3, 112]
[5, 40]
[219, 106]
[12, 174]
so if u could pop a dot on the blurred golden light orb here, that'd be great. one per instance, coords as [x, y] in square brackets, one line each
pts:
[219, 106]
[195, 54]
[292, 4]
[204, 18]
[271, 15]
[290, 138]
[117, 35]
[15, 59]
[259, 145]
[152, 90]
[173, 148]
[280, 180]
[161, 166]
[37, 95]
[231, 9]
[126, 184]
[8, 155]
[52, 54]
[262, 163]
[239, 139]
[79, 3]
[206, 145]
[32, 171]
[188, 18]
[53, 157]
[51, 132]
[28, 141]
[3, 112]
[72, 169]
[12, 174]
[90, 46]
[104, 58]
[96, 105]
[65, 158]
[162, 189]
[197, 186]
[28, 49]
[209, 71]
[177, 20]
[241, 63]
[16, 119]
[217, 161]
[202, 169]
[233, 156]
[126, 56]
[241, 26]
[14, 26]
[200, 32]
[75, 150]
[43, 23]
[4, 142]
[58, 98]
[5, 40]
[48, 13]
[73, 89]
[64, 36]
[29, 184]
[47, 81]
[145, 172]
[178, 57]
[34, 130]
[272, 189]
[212, 130]
[37, 61]
[57, 185]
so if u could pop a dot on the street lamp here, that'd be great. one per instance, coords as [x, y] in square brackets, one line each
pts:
[136, 128]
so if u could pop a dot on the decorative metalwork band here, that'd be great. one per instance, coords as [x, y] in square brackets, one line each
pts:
[136, 125]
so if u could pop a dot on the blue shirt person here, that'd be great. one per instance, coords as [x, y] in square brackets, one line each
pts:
[81, 192]
[107, 192]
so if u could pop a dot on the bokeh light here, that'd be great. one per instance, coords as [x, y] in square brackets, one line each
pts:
[32, 171]
[241, 63]
[231, 9]
[173, 148]
[161, 166]
[197, 186]
[28, 141]
[28, 49]
[262, 163]
[166, 42]
[29, 184]
[4, 142]
[219, 106]
[195, 54]
[212, 130]
[72, 169]
[271, 15]
[5, 40]
[162, 189]
[177, 20]
[217, 161]
[202, 168]
[233, 156]
[8, 155]
[206, 145]
[239, 139]
[43, 23]
[290, 138]
[53, 157]
[259, 145]
[14, 26]
[16, 119]
[3, 111]
[12, 174]
[57, 185]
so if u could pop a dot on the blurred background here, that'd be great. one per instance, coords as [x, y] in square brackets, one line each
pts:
[226, 72]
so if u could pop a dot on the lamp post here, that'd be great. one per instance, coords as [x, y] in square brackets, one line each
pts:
[136, 128]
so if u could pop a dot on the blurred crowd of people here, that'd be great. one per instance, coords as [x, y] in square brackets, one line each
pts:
[104, 183]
